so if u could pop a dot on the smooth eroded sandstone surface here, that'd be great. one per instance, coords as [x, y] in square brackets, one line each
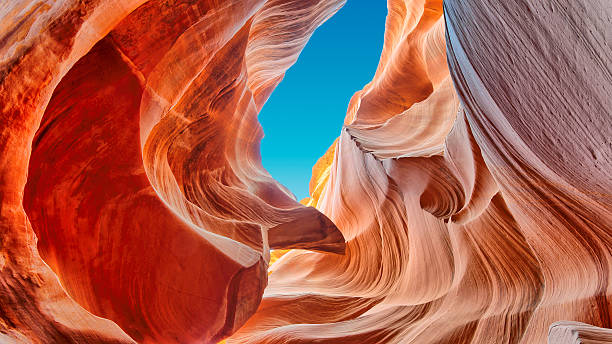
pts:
[466, 199]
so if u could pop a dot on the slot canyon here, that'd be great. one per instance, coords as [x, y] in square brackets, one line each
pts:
[466, 199]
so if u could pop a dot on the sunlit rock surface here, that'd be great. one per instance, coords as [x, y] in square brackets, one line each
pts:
[470, 181]
[571, 332]
[130, 137]
[476, 211]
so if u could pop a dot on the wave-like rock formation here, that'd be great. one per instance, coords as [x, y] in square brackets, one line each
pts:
[570, 332]
[466, 200]
[130, 138]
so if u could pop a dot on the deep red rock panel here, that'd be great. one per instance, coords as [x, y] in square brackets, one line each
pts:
[466, 200]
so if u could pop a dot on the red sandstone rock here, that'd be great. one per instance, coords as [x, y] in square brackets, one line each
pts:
[571, 332]
[480, 223]
[471, 180]
[144, 183]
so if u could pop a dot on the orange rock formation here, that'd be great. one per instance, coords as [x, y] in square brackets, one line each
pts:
[467, 199]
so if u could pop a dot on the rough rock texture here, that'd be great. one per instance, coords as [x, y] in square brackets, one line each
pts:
[471, 180]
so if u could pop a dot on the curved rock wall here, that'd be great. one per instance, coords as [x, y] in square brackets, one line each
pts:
[466, 200]
[476, 211]
[144, 185]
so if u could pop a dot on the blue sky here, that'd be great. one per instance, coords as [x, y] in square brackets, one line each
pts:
[304, 114]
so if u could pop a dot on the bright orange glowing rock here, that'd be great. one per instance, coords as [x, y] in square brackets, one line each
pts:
[471, 180]
[139, 140]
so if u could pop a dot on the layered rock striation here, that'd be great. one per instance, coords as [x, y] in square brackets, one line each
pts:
[466, 200]
[130, 140]
[471, 180]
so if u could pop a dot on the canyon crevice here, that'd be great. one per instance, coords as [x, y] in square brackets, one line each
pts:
[466, 200]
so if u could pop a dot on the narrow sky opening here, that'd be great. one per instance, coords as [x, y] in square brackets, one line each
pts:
[304, 114]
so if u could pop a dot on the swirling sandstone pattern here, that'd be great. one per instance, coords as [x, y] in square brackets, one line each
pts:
[483, 222]
[571, 332]
[467, 199]
[144, 185]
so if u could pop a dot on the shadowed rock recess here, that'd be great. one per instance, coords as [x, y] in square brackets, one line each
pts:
[466, 200]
